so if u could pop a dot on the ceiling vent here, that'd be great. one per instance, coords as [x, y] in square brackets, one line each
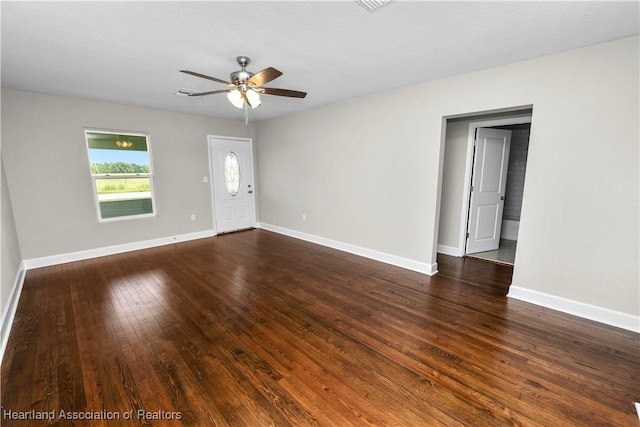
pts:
[373, 5]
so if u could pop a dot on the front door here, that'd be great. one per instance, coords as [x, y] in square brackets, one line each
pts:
[490, 164]
[233, 188]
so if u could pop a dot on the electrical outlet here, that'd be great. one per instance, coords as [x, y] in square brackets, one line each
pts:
[193, 217]
[205, 179]
[304, 217]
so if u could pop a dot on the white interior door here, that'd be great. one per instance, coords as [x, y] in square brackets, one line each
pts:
[490, 164]
[232, 178]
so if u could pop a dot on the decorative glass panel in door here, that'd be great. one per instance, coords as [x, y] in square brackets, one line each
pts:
[232, 173]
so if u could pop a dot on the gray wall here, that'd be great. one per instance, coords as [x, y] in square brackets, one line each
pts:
[46, 162]
[367, 171]
[11, 256]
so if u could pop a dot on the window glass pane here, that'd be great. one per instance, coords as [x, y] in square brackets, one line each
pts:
[113, 141]
[232, 173]
[118, 161]
[124, 196]
[112, 153]
[116, 208]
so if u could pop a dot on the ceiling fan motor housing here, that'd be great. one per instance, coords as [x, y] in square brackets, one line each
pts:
[241, 76]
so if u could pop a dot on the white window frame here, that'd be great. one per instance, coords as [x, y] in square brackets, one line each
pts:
[150, 175]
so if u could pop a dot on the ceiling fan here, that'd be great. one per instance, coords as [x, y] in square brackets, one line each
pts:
[245, 87]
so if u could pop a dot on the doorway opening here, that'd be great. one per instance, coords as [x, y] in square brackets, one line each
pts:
[232, 186]
[509, 220]
[480, 215]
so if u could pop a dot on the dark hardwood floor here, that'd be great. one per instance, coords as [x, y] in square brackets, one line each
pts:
[257, 329]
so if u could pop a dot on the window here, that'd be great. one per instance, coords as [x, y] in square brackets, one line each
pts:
[121, 174]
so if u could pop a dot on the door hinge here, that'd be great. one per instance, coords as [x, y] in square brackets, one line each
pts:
[472, 188]
[467, 235]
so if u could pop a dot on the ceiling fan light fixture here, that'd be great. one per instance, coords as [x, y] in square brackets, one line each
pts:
[253, 98]
[235, 97]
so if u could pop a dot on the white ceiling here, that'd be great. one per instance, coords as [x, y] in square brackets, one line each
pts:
[130, 52]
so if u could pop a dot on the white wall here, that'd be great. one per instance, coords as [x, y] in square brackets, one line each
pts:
[367, 171]
[46, 163]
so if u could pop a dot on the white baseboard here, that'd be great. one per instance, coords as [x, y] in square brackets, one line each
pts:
[576, 308]
[10, 309]
[409, 264]
[449, 250]
[112, 250]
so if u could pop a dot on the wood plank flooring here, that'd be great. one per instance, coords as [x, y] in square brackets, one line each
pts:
[258, 329]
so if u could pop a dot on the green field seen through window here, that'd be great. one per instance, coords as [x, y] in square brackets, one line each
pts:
[123, 185]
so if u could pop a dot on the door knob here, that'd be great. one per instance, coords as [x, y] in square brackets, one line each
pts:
[501, 197]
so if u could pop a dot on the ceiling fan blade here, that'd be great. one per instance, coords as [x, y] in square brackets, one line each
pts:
[264, 76]
[193, 73]
[283, 92]
[212, 92]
